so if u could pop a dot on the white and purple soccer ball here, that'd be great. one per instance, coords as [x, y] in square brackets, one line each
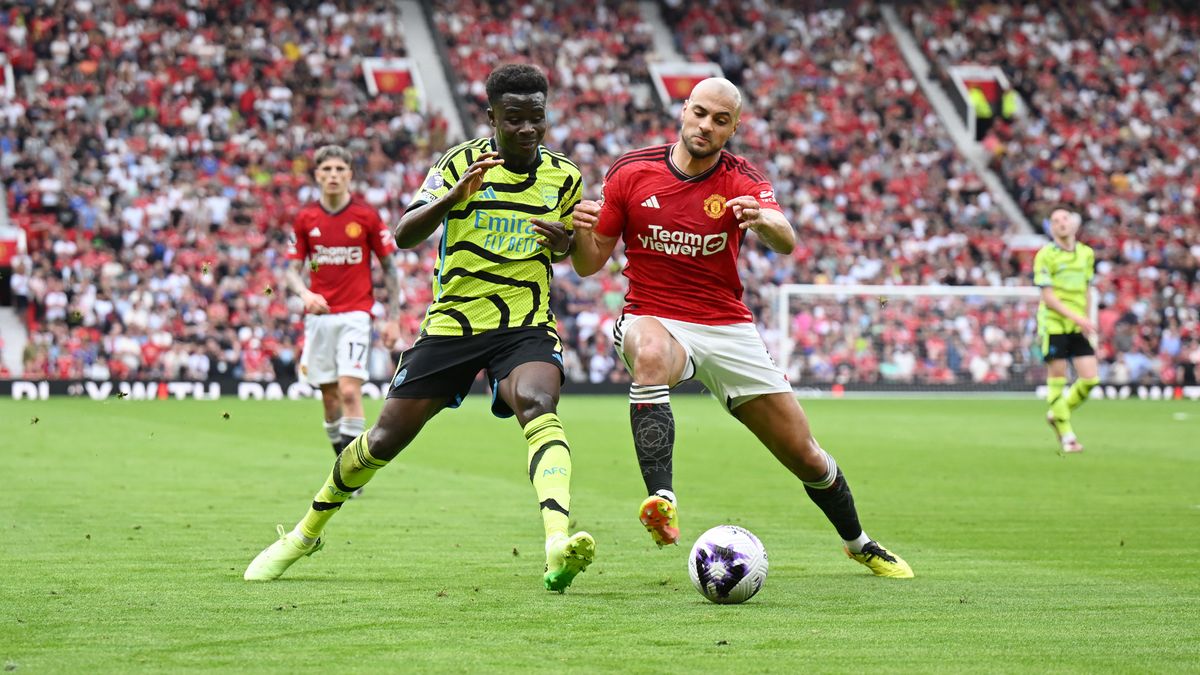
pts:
[728, 564]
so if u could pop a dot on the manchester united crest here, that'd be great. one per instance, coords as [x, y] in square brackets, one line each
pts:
[714, 206]
[354, 230]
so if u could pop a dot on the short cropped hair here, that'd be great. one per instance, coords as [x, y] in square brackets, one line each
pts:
[515, 78]
[327, 152]
[1063, 206]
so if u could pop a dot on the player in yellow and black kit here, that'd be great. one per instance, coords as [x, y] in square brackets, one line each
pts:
[504, 204]
[1064, 269]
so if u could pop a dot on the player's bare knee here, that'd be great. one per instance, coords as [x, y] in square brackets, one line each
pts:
[801, 455]
[533, 402]
[384, 443]
[350, 395]
[652, 362]
[805, 455]
[814, 456]
[813, 448]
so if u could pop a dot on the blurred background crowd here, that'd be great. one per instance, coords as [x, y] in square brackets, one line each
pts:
[157, 167]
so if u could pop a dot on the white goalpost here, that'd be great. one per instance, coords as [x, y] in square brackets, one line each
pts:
[907, 338]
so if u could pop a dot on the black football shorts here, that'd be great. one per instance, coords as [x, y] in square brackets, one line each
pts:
[445, 366]
[1057, 346]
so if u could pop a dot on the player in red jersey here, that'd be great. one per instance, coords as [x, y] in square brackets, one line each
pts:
[337, 234]
[683, 210]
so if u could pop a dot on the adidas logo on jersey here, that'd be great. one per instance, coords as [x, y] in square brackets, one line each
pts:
[651, 203]
[315, 232]
[488, 193]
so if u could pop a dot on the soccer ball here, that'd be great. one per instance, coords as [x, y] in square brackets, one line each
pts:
[728, 564]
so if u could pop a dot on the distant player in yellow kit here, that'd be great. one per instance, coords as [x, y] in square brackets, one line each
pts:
[1063, 269]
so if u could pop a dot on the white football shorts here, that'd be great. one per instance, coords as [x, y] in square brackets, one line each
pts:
[335, 345]
[730, 360]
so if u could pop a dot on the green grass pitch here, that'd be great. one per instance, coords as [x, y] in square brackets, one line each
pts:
[126, 526]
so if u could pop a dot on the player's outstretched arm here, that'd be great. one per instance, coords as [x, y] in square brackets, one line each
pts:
[314, 303]
[418, 223]
[769, 224]
[592, 249]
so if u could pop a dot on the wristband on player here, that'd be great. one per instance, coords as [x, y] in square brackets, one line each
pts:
[560, 255]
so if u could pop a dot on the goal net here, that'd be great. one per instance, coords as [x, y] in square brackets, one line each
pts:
[906, 338]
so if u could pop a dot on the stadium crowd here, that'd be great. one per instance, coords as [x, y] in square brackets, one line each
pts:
[1111, 124]
[157, 152]
[860, 159]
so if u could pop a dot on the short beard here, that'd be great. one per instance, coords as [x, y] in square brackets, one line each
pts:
[699, 154]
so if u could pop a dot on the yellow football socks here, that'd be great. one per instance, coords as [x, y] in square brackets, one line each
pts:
[550, 471]
[1080, 390]
[1058, 404]
[351, 470]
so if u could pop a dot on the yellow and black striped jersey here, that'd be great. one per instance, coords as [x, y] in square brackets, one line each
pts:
[1069, 273]
[491, 273]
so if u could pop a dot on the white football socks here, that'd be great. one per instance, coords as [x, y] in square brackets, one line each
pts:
[857, 545]
[334, 431]
[353, 426]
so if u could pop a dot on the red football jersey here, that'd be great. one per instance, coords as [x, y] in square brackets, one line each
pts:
[681, 241]
[338, 246]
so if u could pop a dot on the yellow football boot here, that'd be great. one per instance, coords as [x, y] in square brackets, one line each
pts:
[565, 558]
[276, 558]
[881, 562]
